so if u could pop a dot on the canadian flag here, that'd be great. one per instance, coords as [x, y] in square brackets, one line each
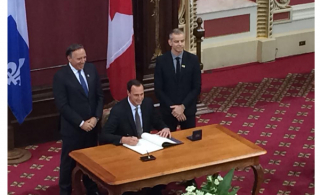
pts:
[120, 55]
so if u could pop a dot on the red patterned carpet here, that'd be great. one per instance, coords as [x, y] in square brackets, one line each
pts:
[275, 113]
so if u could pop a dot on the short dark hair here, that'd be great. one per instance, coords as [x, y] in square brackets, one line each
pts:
[72, 48]
[175, 31]
[133, 82]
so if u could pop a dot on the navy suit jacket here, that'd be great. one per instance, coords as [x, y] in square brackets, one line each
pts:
[175, 91]
[73, 104]
[121, 123]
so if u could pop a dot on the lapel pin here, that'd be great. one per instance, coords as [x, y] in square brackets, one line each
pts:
[88, 75]
[183, 66]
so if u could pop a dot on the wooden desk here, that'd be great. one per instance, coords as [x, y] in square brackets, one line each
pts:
[119, 169]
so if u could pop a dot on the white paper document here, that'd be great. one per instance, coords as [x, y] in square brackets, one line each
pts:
[151, 142]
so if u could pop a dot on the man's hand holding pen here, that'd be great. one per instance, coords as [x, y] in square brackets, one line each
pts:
[131, 140]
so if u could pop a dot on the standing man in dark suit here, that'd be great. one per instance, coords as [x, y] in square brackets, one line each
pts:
[79, 99]
[177, 81]
[132, 116]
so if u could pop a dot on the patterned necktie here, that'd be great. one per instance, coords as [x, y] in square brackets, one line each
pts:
[178, 67]
[138, 123]
[83, 83]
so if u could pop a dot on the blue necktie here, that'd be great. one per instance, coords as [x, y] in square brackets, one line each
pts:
[83, 83]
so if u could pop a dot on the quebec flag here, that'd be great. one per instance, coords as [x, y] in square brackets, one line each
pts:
[19, 83]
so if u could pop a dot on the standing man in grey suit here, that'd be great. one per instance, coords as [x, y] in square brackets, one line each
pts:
[177, 81]
[79, 99]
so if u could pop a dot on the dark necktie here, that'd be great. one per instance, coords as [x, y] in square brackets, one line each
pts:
[83, 83]
[178, 67]
[138, 123]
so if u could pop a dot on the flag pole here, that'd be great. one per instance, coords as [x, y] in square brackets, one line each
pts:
[15, 155]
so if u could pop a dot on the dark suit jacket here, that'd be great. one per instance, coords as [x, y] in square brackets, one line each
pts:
[73, 104]
[121, 123]
[172, 91]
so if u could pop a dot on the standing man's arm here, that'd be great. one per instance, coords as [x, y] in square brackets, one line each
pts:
[99, 94]
[61, 100]
[158, 84]
[196, 83]
[99, 109]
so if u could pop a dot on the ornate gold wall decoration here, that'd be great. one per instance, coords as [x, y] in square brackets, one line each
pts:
[187, 17]
[281, 4]
[265, 18]
[155, 14]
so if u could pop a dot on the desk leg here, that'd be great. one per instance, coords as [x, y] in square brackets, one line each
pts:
[76, 180]
[258, 178]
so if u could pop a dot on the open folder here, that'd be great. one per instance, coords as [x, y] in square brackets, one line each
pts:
[152, 142]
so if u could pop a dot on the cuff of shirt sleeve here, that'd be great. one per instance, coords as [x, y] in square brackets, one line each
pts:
[81, 123]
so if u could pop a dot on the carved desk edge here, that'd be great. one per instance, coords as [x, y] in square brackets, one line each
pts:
[253, 162]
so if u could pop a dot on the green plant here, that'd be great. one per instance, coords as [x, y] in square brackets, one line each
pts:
[215, 185]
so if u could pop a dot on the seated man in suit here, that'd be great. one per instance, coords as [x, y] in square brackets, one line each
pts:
[129, 118]
[132, 116]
